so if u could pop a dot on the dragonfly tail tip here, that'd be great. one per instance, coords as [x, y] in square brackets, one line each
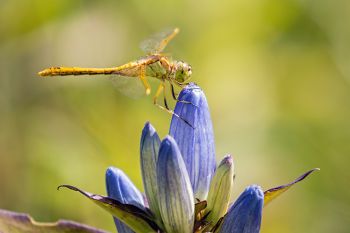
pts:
[41, 73]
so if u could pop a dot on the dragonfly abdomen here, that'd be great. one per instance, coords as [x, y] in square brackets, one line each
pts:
[63, 71]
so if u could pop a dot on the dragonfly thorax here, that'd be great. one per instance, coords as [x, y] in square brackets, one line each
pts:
[181, 72]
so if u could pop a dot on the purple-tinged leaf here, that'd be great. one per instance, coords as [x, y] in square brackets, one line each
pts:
[11, 222]
[272, 193]
[137, 219]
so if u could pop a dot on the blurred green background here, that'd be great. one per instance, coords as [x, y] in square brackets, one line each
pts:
[276, 75]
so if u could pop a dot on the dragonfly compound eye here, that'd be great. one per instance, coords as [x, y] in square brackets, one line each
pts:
[183, 72]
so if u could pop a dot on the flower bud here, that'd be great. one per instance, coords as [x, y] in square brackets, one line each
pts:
[245, 214]
[193, 131]
[174, 189]
[120, 187]
[220, 190]
[149, 154]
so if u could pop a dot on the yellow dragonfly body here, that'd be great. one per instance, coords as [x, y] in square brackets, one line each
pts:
[154, 65]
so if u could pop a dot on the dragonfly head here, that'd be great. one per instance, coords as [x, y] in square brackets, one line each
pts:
[183, 72]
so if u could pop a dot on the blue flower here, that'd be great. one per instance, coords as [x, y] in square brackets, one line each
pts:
[245, 214]
[174, 189]
[196, 143]
[184, 191]
[120, 187]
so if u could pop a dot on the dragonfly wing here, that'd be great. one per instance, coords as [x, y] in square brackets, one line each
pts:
[129, 86]
[157, 43]
[127, 80]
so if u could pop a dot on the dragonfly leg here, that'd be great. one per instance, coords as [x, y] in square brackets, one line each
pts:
[144, 79]
[176, 96]
[161, 89]
[158, 92]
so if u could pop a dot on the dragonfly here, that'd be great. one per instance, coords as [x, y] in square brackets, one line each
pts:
[155, 65]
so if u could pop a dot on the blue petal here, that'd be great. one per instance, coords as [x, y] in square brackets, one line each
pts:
[176, 202]
[120, 187]
[149, 154]
[196, 143]
[245, 214]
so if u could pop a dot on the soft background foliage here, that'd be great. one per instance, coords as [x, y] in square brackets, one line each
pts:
[276, 75]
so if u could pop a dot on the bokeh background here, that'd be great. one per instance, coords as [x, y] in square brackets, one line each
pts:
[276, 75]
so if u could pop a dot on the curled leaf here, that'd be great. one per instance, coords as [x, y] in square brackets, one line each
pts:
[272, 193]
[200, 223]
[137, 219]
[199, 208]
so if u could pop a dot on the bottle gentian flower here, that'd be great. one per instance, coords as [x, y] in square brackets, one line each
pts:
[245, 215]
[196, 143]
[120, 187]
[184, 190]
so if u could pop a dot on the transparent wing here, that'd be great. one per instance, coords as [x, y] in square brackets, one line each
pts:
[157, 43]
[129, 86]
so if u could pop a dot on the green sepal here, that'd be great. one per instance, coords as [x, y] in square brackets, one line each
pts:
[220, 190]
